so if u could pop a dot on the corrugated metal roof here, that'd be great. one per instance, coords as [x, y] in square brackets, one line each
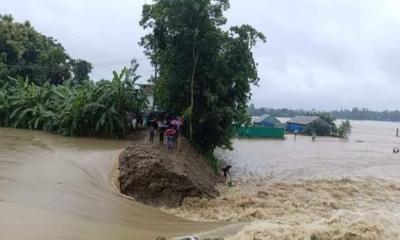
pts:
[261, 118]
[303, 120]
[147, 88]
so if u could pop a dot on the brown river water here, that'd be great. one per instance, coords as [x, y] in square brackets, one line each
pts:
[297, 189]
[368, 153]
[53, 187]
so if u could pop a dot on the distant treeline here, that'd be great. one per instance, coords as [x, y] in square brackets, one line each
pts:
[353, 114]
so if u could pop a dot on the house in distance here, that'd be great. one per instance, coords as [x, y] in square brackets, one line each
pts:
[267, 120]
[299, 123]
[148, 90]
[265, 126]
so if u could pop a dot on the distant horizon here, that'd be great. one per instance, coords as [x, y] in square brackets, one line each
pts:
[325, 110]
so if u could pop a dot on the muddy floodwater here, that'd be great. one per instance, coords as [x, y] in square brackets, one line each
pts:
[52, 187]
[368, 153]
[299, 189]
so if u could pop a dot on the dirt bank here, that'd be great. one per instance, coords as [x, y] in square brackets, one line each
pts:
[363, 209]
[153, 175]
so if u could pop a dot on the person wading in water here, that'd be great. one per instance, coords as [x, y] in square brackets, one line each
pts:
[226, 172]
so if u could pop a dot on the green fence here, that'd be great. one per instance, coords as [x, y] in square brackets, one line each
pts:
[261, 132]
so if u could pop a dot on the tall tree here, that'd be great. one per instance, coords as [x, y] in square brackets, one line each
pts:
[81, 70]
[204, 72]
[27, 53]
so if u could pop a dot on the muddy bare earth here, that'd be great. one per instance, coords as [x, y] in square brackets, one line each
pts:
[153, 175]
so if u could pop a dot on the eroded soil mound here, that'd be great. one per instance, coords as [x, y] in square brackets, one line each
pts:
[155, 176]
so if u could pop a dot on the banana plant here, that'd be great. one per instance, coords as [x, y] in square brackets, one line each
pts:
[28, 105]
[4, 106]
[88, 109]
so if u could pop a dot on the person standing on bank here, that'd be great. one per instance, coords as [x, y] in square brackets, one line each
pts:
[161, 131]
[151, 133]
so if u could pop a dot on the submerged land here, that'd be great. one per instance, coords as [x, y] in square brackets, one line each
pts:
[57, 186]
[343, 189]
[101, 184]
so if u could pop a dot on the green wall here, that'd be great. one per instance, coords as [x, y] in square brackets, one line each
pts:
[261, 132]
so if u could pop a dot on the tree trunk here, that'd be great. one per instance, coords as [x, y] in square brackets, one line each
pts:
[195, 57]
[155, 82]
[192, 96]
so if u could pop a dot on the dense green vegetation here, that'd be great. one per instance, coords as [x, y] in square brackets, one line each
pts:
[203, 71]
[88, 109]
[344, 129]
[41, 87]
[24, 52]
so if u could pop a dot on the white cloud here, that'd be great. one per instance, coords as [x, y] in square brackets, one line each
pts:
[319, 54]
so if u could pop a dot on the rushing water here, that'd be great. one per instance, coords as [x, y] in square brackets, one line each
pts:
[368, 153]
[300, 189]
[53, 187]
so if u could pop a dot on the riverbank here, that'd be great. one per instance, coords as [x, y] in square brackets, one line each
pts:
[156, 176]
[342, 209]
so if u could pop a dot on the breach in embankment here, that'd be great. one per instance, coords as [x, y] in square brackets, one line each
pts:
[156, 176]
[59, 188]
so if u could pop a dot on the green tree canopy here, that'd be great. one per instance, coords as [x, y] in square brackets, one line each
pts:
[81, 70]
[27, 53]
[205, 72]
[344, 129]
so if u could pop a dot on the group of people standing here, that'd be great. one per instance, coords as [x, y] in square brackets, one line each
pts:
[166, 127]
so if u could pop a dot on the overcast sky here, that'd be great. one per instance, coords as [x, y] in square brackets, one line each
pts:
[319, 54]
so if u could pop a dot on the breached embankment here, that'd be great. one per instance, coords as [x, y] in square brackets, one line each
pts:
[155, 176]
[363, 209]
[54, 187]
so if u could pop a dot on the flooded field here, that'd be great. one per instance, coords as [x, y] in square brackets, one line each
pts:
[60, 188]
[52, 187]
[298, 189]
[368, 153]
